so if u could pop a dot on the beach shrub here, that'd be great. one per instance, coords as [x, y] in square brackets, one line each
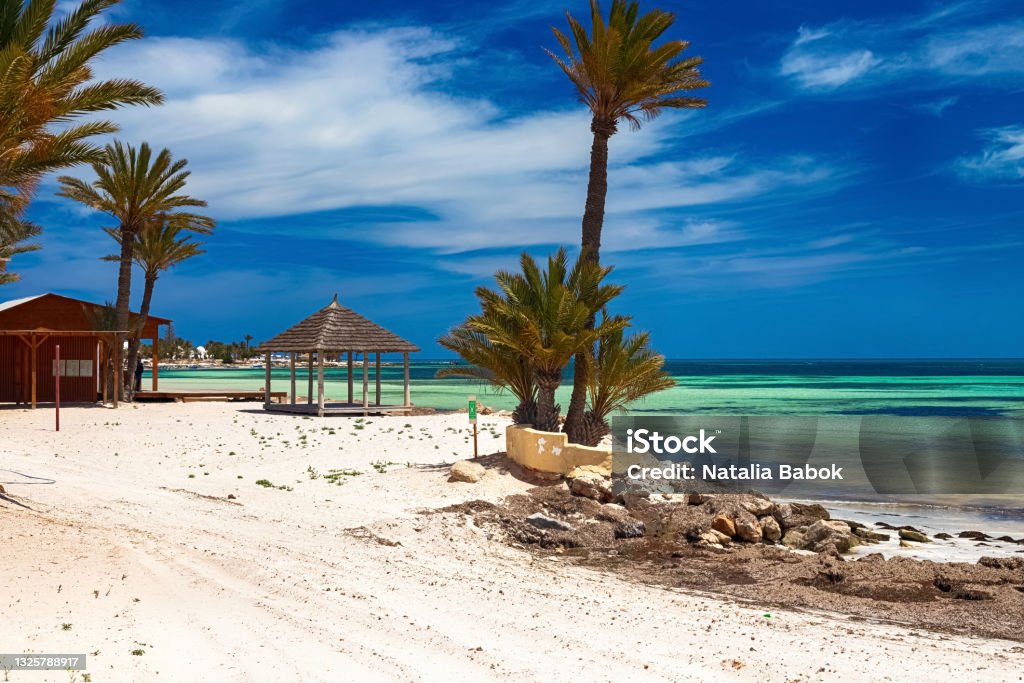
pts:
[535, 322]
[624, 370]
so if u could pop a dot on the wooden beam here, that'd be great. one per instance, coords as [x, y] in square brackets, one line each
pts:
[34, 346]
[376, 376]
[156, 359]
[366, 379]
[405, 373]
[267, 398]
[320, 383]
[309, 390]
[291, 369]
[350, 377]
[118, 369]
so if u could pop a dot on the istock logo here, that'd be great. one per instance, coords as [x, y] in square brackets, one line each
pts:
[646, 441]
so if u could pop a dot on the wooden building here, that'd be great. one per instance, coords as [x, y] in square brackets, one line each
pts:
[30, 330]
[330, 332]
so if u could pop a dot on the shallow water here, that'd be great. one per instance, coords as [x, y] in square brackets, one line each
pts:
[734, 387]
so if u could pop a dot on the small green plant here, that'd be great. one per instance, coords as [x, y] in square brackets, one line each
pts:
[265, 483]
[138, 652]
[313, 474]
[382, 466]
[65, 627]
[336, 476]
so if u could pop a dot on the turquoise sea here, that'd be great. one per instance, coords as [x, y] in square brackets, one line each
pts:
[728, 387]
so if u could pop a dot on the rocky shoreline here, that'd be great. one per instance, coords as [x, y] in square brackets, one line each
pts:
[789, 555]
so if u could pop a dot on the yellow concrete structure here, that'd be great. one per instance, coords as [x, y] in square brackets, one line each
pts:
[552, 452]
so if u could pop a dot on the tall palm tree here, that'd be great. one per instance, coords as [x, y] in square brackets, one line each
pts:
[625, 370]
[620, 75]
[136, 188]
[543, 316]
[160, 246]
[46, 85]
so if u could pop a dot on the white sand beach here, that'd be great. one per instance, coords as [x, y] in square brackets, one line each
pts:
[159, 575]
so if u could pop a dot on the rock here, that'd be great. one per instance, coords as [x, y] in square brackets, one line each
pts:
[710, 538]
[872, 557]
[759, 507]
[770, 530]
[542, 521]
[825, 535]
[944, 536]
[594, 486]
[231, 496]
[795, 515]
[870, 536]
[1006, 539]
[724, 524]
[636, 500]
[2, 489]
[630, 528]
[794, 538]
[747, 527]
[904, 544]
[486, 410]
[1011, 563]
[692, 498]
[721, 538]
[465, 470]
[974, 535]
[913, 535]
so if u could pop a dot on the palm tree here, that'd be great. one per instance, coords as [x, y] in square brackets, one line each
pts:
[46, 84]
[625, 370]
[158, 247]
[137, 189]
[493, 365]
[542, 317]
[13, 235]
[620, 75]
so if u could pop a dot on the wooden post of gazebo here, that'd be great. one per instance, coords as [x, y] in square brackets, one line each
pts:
[405, 373]
[320, 383]
[350, 377]
[309, 391]
[376, 377]
[366, 379]
[291, 369]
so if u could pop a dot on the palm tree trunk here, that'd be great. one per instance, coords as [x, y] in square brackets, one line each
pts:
[547, 409]
[593, 222]
[123, 306]
[136, 342]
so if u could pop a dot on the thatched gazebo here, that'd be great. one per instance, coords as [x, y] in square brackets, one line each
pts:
[332, 331]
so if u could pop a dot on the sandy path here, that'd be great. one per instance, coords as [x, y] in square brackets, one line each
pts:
[350, 582]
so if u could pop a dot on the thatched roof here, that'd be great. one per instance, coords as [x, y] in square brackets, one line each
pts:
[336, 328]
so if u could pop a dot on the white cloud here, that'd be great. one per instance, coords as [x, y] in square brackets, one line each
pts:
[826, 69]
[368, 118]
[934, 48]
[1001, 159]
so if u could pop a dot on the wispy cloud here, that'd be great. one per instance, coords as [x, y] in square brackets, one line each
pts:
[937, 107]
[935, 48]
[1002, 159]
[370, 117]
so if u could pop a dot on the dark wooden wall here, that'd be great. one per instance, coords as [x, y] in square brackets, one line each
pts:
[16, 370]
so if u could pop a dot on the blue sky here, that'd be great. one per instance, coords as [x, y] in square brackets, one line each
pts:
[854, 188]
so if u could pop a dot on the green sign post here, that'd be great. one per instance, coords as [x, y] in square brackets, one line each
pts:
[472, 418]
